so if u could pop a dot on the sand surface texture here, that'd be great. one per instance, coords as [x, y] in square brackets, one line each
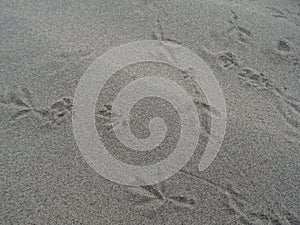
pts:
[253, 48]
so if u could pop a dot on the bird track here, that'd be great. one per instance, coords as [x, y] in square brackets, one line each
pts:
[247, 212]
[159, 34]
[21, 101]
[237, 32]
[154, 198]
[107, 118]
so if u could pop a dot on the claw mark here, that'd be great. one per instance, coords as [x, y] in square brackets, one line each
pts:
[147, 191]
[57, 111]
[157, 193]
[240, 33]
[283, 45]
[278, 13]
[20, 98]
[182, 201]
[245, 211]
[292, 16]
[156, 199]
[235, 17]
[289, 108]
[254, 78]
[261, 217]
[228, 59]
[20, 114]
[108, 119]
[159, 34]
[235, 200]
[188, 75]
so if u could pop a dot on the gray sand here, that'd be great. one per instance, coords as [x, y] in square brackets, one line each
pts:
[253, 48]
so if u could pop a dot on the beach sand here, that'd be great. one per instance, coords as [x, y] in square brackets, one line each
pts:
[253, 49]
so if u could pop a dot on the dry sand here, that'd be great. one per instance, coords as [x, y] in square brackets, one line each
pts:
[253, 48]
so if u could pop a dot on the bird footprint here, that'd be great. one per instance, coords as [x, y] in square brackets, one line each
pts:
[18, 99]
[154, 199]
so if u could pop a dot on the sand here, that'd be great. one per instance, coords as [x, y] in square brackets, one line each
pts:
[251, 46]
